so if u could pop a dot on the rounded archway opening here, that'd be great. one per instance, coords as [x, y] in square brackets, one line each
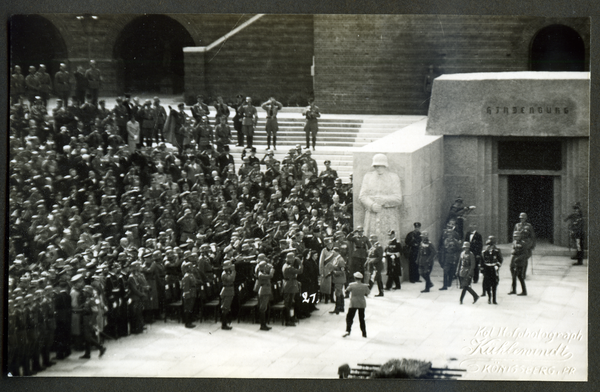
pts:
[557, 48]
[150, 51]
[34, 40]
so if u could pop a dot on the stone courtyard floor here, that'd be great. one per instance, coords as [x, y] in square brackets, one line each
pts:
[542, 336]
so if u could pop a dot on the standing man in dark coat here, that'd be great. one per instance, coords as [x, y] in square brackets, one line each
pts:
[425, 255]
[394, 262]
[137, 294]
[476, 241]
[491, 263]
[412, 241]
[45, 84]
[32, 84]
[449, 252]
[81, 84]
[62, 337]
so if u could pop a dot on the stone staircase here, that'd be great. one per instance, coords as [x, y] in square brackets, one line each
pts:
[338, 137]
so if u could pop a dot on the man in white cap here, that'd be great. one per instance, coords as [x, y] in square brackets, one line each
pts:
[358, 291]
[381, 195]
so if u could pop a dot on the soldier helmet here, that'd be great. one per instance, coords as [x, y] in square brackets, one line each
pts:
[491, 240]
[466, 244]
[227, 264]
[380, 160]
[424, 234]
[523, 215]
[360, 228]
[358, 275]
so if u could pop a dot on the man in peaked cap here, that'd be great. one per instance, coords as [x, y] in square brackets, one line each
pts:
[358, 302]
[465, 271]
[227, 293]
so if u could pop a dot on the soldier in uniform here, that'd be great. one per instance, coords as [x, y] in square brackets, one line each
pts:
[45, 83]
[32, 84]
[264, 276]
[311, 128]
[49, 312]
[272, 106]
[237, 119]
[21, 335]
[361, 245]
[375, 263]
[577, 232]
[227, 293]
[89, 317]
[518, 263]
[249, 120]
[62, 86]
[222, 110]
[394, 262]
[77, 284]
[199, 109]
[450, 250]
[93, 81]
[325, 269]
[63, 321]
[160, 117]
[465, 271]
[426, 254]
[137, 293]
[17, 84]
[339, 279]
[527, 237]
[188, 285]
[147, 113]
[290, 285]
[490, 266]
[412, 241]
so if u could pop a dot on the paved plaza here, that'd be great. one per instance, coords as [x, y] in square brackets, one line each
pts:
[542, 336]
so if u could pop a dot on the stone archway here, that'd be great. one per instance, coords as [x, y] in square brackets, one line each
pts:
[149, 51]
[34, 40]
[557, 48]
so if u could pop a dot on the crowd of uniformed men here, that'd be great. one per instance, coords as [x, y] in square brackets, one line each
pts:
[106, 230]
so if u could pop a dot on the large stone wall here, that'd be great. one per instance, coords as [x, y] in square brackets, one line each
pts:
[376, 64]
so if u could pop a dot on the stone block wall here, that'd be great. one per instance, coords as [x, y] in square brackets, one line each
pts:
[376, 64]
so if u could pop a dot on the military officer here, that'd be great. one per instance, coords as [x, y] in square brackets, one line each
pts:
[249, 120]
[465, 271]
[361, 245]
[188, 285]
[272, 106]
[577, 232]
[94, 79]
[492, 261]
[62, 86]
[426, 254]
[311, 128]
[412, 241]
[394, 262]
[518, 263]
[265, 274]
[375, 263]
[290, 285]
[339, 280]
[450, 250]
[227, 293]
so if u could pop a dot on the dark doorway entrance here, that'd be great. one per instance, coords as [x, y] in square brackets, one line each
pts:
[150, 51]
[34, 40]
[557, 48]
[533, 195]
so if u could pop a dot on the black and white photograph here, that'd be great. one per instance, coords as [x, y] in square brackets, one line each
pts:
[298, 196]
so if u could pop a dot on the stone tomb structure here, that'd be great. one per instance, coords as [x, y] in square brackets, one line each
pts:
[505, 142]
